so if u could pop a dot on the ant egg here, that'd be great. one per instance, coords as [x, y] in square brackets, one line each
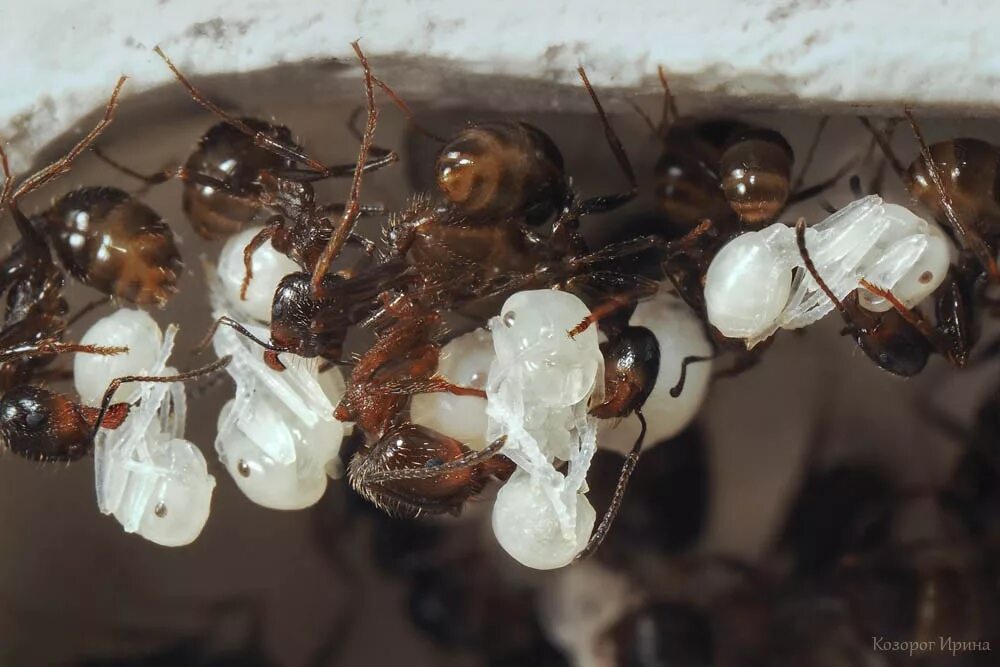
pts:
[532, 333]
[464, 361]
[177, 507]
[680, 333]
[92, 373]
[527, 526]
[748, 284]
[269, 267]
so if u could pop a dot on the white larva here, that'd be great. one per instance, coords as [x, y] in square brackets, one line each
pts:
[147, 475]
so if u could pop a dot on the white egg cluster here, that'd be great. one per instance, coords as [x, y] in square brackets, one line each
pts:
[147, 475]
[277, 437]
[539, 388]
[757, 283]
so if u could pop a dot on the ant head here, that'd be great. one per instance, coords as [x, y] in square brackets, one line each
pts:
[502, 169]
[894, 344]
[632, 364]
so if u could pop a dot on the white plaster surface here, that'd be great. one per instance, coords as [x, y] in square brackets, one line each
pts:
[61, 57]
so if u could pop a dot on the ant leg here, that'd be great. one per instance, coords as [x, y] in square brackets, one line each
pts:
[822, 186]
[179, 377]
[350, 217]
[744, 362]
[669, 114]
[338, 170]
[678, 388]
[156, 178]
[887, 152]
[259, 239]
[90, 307]
[363, 209]
[971, 238]
[644, 116]
[608, 202]
[810, 154]
[46, 347]
[469, 460]
[63, 164]
[616, 500]
[432, 385]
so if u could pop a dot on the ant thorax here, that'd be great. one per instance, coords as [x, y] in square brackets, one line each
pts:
[538, 392]
[147, 475]
[277, 437]
[757, 283]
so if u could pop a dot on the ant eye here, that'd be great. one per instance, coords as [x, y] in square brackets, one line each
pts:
[34, 419]
[243, 468]
[160, 510]
[508, 319]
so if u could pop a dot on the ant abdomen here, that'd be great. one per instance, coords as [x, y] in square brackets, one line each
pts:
[114, 243]
[502, 168]
[410, 446]
[970, 169]
[755, 171]
[40, 425]
[686, 183]
[228, 155]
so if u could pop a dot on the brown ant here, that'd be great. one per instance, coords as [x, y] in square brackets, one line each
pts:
[724, 169]
[404, 468]
[955, 180]
[899, 340]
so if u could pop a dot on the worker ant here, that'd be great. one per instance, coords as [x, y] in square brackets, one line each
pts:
[955, 180]
[727, 170]
[247, 171]
[404, 468]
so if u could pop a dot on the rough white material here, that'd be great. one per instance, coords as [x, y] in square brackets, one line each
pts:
[464, 361]
[884, 243]
[680, 334]
[92, 373]
[152, 480]
[807, 53]
[538, 394]
[269, 267]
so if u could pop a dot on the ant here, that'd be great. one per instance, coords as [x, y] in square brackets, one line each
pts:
[246, 170]
[404, 468]
[899, 340]
[954, 179]
[727, 170]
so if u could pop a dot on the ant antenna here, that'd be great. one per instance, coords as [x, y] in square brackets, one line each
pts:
[352, 210]
[678, 388]
[8, 178]
[669, 115]
[616, 500]
[238, 328]
[109, 393]
[810, 154]
[63, 164]
[800, 239]
[407, 111]
[609, 133]
[886, 147]
[259, 138]
[970, 237]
